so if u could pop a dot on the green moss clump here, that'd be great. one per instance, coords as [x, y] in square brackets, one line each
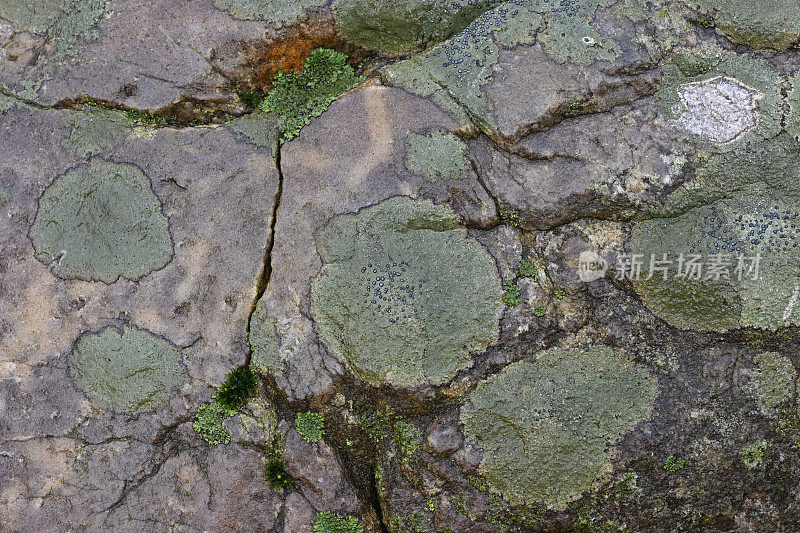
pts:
[129, 371]
[277, 11]
[275, 472]
[239, 385]
[310, 425]
[330, 522]
[297, 98]
[511, 294]
[742, 204]
[404, 296]
[210, 423]
[437, 155]
[754, 456]
[773, 382]
[527, 269]
[407, 439]
[546, 427]
[101, 221]
[764, 24]
[673, 464]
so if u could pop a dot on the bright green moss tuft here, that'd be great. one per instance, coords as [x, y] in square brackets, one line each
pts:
[527, 269]
[239, 385]
[673, 464]
[101, 221]
[511, 294]
[329, 522]
[404, 295]
[210, 423]
[547, 427]
[275, 472]
[129, 371]
[297, 98]
[310, 425]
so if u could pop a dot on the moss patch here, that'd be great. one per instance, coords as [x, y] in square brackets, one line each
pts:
[129, 371]
[709, 62]
[297, 98]
[329, 522]
[279, 11]
[210, 423]
[310, 425]
[743, 205]
[101, 221]
[437, 155]
[404, 296]
[773, 381]
[546, 426]
[763, 24]
[94, 132]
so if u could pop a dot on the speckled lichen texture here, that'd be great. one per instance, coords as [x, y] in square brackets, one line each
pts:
[405, 296]
[546, 427]
[101, 221]
[130, 370]
[453, 266]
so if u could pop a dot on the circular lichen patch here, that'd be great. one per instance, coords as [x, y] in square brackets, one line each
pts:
[101, 221]
[404, 295]
[763, 24]
[546, 427]
[130, 371]
[437, 155]
[732, 243]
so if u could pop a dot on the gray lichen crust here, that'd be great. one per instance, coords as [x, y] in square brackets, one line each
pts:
[773, 382]
[741, 216]
[278, 11]
[437, 155]
[404, 296]
[793, 119]
[546, 427]
[130, 371]
[101, 221]
[262, 339]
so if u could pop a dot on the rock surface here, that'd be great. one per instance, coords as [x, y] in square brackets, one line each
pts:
[537, 271]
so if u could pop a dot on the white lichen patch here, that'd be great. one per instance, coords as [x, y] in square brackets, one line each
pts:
[720, 109]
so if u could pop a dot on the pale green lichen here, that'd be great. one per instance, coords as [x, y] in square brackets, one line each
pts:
[258, 128]
[262, 339]
[130, 370]
[773, 381]
[404, 296]
[437, 155]
[709, 62]
[278, 11]
[754, 456]
[68, 23]
[763, 24]
[101, 221]
[94, 132]
[744, 205]
[4, 196]
[209, 423]
[6, 103]
[793, 119]
[546, 427]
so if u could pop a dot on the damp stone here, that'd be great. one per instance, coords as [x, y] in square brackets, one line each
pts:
[547, 427]
[404, 295]
[100, 222]
[131, 370]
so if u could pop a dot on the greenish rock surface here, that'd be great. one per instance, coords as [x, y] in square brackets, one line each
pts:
[6, 103]
[101, 221]
[546, 427]
[764, 24]
[130, 371]
[280, 11]
[263, 342]
[739, 219]
[761, 94]
[793, 119]
[68, 22]
[437, 155]
[773, 382]
[404, 296]
[259, 128]
[94, 132]
[4, 196]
